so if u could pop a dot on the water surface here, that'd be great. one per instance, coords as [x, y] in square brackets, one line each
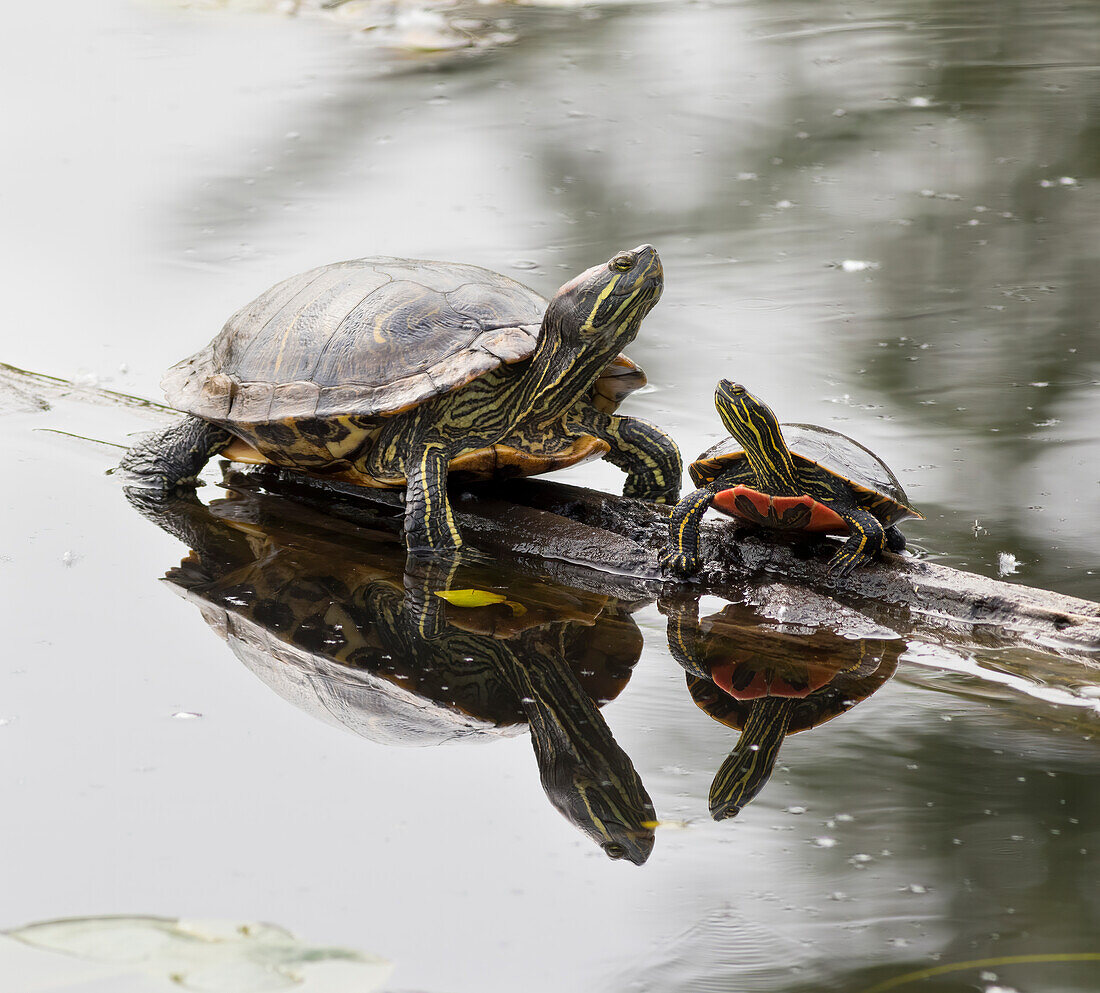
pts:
[880, 217]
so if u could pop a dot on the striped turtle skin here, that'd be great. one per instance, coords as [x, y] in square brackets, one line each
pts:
[769, 680]
[392, 372]
[791, 477]
[326, 615]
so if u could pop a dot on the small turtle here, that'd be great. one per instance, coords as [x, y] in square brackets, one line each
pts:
[393, 372]
[327, 615]
[799, 478]
[770, 680]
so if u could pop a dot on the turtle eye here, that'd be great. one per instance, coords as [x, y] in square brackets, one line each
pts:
[623, 262]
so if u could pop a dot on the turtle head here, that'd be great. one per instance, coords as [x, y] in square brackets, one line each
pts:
[741, 412]
[606, 801]
[753, 424]
[604, 305]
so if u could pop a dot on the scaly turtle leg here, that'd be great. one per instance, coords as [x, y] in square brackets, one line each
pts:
[682, 633]
[681, 556]
[647, 455]
[429, 521]
[175, 457]
[867, 539]
[424, 578]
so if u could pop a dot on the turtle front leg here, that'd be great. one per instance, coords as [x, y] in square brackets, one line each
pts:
[681, 556]
[866, 540]
[174, 458]
[426, 612]
[648, 456]
[429, 521]
[682, 633]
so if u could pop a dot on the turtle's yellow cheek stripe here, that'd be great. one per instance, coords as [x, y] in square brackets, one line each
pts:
[604, 294]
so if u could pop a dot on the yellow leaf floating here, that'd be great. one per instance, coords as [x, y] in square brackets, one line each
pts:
[480, 598]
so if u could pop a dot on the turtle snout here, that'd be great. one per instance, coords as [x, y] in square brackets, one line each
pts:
[647, 257]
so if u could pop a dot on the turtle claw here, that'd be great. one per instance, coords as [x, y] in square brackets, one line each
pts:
[679, 564]
[643, 489]
[843, 564]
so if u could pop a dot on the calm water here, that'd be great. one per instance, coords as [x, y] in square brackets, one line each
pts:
[879, 216]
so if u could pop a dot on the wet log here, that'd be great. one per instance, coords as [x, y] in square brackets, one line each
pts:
[621, 537]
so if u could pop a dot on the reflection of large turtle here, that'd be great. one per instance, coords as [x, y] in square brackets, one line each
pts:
[395, 372]
[330, 620]
[768, 681]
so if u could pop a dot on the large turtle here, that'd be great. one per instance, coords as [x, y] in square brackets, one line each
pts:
[393, 372]
[769, 680]
[326, 615]
[798, 477]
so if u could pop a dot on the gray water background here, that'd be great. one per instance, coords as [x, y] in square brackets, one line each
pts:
[163, 166]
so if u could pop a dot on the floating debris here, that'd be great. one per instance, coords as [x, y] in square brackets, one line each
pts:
[186, 715]
[856, 265]
[480, 598]
[212, 956]
[1007, 564]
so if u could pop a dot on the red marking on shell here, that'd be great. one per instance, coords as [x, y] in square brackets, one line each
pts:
[767, 683]
[822, 519]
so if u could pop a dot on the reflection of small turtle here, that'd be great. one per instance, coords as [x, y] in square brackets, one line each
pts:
[824, 481]
[333, 623]
[394, 372]
[768, 682]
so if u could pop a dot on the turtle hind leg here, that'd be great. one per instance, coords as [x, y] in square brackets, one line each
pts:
[867, 539]
[174, 458]
[895, 540]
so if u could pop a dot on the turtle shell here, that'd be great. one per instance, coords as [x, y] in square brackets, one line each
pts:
[367, 337]
[829, 451]
[749, 659]
[311, 605]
